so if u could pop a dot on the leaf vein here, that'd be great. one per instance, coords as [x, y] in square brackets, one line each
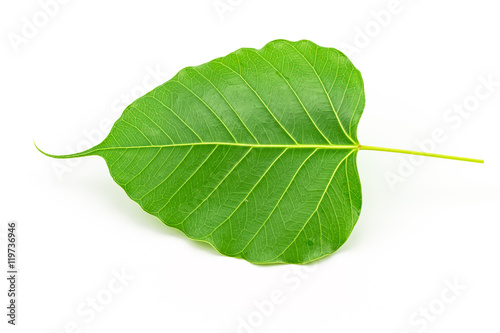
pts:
[166, 178]
[178, 117]
[250, 192]
[209, 108]
[261, 100]
[191, 176]
[317, 207]
[279, 200]
[216, 187]
[324, 89]
[296, 95]
[225, 99]
[154, 122]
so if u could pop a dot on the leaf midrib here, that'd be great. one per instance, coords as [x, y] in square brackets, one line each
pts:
[248, 145]
[96, 149]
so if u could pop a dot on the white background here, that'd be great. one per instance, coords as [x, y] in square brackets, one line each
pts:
[77, 229]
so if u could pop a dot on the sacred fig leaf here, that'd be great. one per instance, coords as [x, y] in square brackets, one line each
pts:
[254, 152]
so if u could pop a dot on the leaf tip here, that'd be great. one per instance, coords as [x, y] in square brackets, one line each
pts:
[84, 153]
[41, 151]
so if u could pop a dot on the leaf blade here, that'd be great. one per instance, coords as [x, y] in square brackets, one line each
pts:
[251, 152]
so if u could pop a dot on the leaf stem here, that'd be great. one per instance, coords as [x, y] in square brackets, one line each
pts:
[410, 152]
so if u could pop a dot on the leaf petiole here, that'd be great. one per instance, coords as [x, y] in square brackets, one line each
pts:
[410, 152]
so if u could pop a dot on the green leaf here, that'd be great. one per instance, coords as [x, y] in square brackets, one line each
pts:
[254, 152]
